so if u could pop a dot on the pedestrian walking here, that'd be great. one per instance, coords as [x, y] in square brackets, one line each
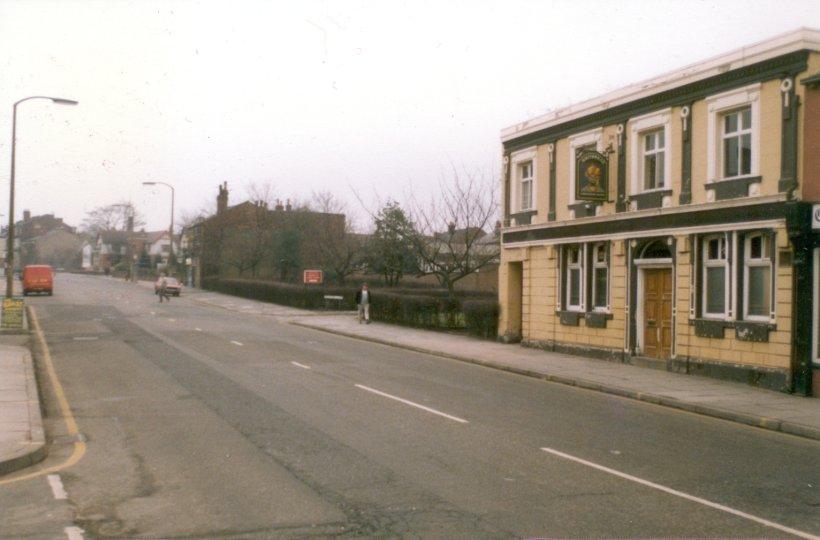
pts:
[163, 289]
[363, 299]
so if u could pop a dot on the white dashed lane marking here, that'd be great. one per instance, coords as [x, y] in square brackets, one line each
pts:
[237, 343]
[57, 486]
[683, 495]
[73, 533]
[297, 364]
[412, 404]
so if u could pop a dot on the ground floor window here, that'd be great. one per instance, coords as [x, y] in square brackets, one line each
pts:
[585, 277]
[735, 276]
[574, 277]
[600, 276]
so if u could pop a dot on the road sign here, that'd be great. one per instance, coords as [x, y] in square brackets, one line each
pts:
[815, 217]
[12, 317]
[313, 276]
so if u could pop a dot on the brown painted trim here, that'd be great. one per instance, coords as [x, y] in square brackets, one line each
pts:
[773, 68]
[712, 216]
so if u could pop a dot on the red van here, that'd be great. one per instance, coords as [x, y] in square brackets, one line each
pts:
[38, 278]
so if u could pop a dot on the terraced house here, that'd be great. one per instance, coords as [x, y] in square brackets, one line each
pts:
[669, 223]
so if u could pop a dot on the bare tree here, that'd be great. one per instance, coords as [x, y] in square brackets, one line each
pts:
[342, 250]
[112, 217]
[452, 226]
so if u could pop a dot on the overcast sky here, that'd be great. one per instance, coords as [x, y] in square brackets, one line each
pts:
[309, 96]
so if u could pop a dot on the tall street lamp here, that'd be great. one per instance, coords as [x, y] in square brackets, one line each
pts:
[171, 231]
[10, 237]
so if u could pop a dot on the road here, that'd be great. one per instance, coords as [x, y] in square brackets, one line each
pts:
[200, 422]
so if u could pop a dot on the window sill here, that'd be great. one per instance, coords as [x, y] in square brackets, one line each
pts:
[569, 317]
[584, 208]
[594, 319]
[650, 198]
[523, 217]
[755, 331]
[732, 188]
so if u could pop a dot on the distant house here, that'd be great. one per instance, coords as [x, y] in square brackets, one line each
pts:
[45, 239]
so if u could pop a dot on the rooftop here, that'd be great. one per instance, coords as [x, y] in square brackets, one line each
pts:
[801, 39]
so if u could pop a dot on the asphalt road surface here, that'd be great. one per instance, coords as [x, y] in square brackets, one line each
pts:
[200, 422]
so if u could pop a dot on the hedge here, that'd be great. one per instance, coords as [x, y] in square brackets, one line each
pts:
[475, 312]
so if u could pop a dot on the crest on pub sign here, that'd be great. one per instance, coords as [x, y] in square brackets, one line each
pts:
[591, 176]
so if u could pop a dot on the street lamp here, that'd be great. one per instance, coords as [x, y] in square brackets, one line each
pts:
[171, 248]
[10, 237]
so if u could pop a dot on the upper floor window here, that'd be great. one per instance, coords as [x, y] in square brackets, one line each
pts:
[649, 143]
[654, 153]
[523, 187]
[525, 176]
[737, 142]
[733, 134]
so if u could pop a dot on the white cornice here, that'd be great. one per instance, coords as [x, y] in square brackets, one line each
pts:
[803, 38]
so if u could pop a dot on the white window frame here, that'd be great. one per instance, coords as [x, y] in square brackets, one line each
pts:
[638, 127]
[735, 135]
[581, 267]
[518, 159]
[706, 262]
[523, 181]
[717, 106]
[761, 262]
[595, 266]
[595, 137]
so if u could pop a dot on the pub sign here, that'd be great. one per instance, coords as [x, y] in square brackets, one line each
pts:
[591, 176]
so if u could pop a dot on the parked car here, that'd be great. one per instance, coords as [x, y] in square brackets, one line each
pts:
[38, 278]
[172, 285]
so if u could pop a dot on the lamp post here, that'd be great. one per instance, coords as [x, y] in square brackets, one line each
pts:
[171, 231]
[10, 236]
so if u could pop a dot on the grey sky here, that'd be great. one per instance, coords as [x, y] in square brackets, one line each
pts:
[317, 95]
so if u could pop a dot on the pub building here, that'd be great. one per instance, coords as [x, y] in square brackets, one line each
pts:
[671, 223]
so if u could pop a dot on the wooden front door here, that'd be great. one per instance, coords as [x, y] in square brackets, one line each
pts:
[657, 312]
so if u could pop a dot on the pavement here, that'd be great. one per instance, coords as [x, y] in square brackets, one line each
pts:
[22, 438]
[727, 400]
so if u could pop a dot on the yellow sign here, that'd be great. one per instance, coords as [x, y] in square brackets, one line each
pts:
[12, 316]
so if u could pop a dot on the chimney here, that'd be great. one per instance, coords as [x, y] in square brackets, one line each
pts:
[129, 224]
[222, 199]
[26, 215]
[279, 206]
[288, 207]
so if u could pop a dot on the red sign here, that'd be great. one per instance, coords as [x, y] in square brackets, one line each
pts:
[313, 276]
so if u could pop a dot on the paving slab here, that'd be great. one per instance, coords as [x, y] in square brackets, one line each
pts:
[22, 438]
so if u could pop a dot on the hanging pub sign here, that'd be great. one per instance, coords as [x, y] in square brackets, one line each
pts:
[591, 176]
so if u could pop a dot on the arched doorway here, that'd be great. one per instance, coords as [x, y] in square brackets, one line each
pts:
[655, 297]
